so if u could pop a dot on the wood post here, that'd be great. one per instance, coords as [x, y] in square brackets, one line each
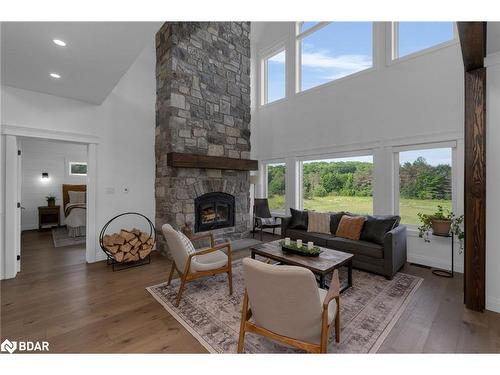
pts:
[473, 44]
[475, 189]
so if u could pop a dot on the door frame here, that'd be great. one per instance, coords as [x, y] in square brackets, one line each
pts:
[12, 228]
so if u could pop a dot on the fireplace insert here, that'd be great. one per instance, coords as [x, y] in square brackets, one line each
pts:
[213, 211]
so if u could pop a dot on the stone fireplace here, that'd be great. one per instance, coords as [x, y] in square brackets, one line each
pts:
[203, 108]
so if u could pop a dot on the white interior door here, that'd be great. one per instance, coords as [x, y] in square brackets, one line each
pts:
[12, 211]
[19, 206]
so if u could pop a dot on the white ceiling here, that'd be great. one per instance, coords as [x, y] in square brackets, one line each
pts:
[97, 55]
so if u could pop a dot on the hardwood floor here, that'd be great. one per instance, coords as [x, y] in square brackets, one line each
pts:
[87, 308]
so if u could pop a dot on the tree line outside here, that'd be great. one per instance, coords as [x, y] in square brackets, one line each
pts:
[347, 185]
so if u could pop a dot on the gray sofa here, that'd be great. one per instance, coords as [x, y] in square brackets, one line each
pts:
[381, 248]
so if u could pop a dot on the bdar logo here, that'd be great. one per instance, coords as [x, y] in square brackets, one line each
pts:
[8, 346]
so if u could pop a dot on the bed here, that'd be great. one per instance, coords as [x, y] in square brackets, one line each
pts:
[75, 209]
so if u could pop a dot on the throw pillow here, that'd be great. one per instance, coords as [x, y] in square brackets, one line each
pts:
[188, 245]
[77, 196]
[268, 220]
[350, 227]
[376, 227]
[299, 219]
[335, 220]
[318, 222]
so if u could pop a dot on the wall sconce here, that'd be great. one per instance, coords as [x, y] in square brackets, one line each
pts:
[45, 176]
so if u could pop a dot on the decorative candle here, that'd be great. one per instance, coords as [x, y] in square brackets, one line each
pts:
[287, 240]
[310, 245]
[299, 243]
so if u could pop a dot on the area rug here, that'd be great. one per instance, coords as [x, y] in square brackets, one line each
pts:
[368, 311]
[61, 238]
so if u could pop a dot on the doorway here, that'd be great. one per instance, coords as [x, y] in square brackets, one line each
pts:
[12, 140]
[53, 181]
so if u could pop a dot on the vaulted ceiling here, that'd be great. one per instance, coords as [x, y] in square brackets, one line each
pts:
[96, 56]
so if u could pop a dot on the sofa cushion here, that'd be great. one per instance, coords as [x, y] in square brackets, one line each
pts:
[335, 220]
[350, 227]
[298, 220]
[318, 238]
[376, 227]
[318, 222]
[365, 248]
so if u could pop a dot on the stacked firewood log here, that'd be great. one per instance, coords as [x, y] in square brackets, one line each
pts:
[128, 245]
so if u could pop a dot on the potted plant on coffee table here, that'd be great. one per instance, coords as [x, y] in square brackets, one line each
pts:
[442, 224]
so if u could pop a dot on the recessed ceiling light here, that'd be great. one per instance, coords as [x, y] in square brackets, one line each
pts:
[55, 75]
[59, 42]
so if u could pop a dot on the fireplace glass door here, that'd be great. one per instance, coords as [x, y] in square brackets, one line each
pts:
[214, 211]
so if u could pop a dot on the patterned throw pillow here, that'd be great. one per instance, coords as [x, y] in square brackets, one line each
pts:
[268, 220]
[188, 245]
[350, 227]
[318, 222]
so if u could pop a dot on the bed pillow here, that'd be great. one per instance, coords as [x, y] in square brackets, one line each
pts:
[318, 222]
[77, 196]
[350, 227]
[299, 219]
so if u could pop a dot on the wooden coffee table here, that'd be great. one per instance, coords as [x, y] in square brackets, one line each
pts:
[322, 265]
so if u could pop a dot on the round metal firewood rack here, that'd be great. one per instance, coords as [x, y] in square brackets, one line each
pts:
[118, 266]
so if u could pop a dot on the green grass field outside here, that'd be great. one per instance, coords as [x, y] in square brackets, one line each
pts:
[364, 205]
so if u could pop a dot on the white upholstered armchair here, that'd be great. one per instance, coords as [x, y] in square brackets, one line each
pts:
[193, 264]
[285, 304]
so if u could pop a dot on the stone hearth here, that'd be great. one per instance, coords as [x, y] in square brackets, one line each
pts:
[202, 107]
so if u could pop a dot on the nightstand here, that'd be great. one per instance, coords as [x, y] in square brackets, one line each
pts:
[48, 216]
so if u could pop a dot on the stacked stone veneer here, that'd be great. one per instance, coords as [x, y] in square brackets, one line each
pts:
[202, 107]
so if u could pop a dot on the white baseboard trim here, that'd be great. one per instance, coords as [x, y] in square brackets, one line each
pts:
[434, 262]
[493, 304]
[29, 227]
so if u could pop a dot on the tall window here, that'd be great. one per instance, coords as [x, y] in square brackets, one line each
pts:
[411, 37]
[274, 77]
[424, 182]
[329, 51]
[342, 184]
[276, 185]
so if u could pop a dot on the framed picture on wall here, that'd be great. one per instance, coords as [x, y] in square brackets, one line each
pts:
[77, 168]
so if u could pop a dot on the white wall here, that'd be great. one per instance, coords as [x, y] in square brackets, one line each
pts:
[415, 100]
[493, 168]
[125, 125]
[39, 156]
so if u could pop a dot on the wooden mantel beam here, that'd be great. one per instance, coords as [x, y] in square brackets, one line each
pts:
[183, 160]
[472, 37]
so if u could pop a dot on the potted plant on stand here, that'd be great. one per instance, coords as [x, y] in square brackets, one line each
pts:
[444, 225]
[51, 200]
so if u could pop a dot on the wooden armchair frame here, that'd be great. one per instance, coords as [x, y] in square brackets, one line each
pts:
[186, 276]
[333, 293]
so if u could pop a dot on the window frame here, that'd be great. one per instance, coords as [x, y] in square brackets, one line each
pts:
[393, 42]
[265, 189]
[298, 56]
[264, 74]
[320, 157]
[424, 146]
[70, 163]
